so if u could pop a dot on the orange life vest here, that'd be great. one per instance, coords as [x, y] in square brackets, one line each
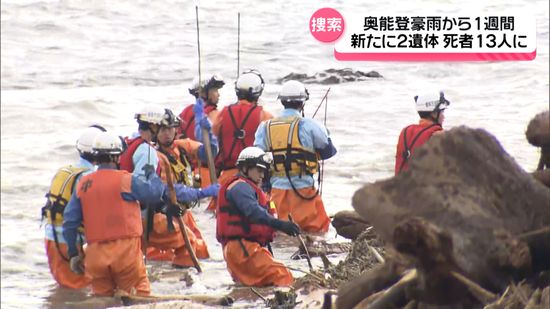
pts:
[106, 216]
[411, 138]
[232, 224]
[238, 127]
[176, 157]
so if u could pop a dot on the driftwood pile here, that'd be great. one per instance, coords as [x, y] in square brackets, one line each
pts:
[462, 224]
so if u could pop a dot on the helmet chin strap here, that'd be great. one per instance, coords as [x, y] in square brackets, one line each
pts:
[437, 117]
[244, 171]
[438, 113]
[154, 133]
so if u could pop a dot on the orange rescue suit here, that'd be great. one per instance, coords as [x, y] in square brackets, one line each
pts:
[248, 261]
[113, 231]
[170, 245]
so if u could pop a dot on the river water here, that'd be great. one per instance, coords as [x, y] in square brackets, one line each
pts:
[68, 64]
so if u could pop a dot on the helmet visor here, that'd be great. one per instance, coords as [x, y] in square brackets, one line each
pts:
[265, 160]
[443, 103]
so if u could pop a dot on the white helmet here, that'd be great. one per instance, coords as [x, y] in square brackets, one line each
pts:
[254, 156]
[214, 81]
[106, 143]
[293, 90]
[86, 139]
[249, 85]
[431, 102]
[194, 87]
[151, 114]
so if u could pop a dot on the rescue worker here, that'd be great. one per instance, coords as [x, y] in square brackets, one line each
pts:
[165, 235]
[297, 145]
[431, 109]
[108, 203]
[62, 187]
[236, 124]
[141, 152]
[208, 91]
[246, 224]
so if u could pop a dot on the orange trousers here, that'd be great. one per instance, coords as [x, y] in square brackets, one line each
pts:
[224, 176]
[205, 176]
[117, 264]
[171, 245]
[60, 269]
[309, 215]
[258, 269]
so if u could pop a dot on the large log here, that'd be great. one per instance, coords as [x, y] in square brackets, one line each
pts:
[460, 208]
[376, 279]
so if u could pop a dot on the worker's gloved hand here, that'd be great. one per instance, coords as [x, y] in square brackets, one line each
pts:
[201, 119]
[148, 170]
[211, 190]
[173, 210]
[289, 228]
[76, 265]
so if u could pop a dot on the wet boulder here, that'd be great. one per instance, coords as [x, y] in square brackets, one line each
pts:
[349, 224]
[331, 76]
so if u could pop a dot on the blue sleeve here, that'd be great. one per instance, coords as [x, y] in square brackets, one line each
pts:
[188, 194]
[243, 196]
[145, 154]
[72, 219]
[321, 140]
[149, 191]
[260, 138]
[328, 152]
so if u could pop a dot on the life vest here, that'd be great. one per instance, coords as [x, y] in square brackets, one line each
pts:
[106, 215]
[177, 159]
[126, 158]
[61, 190]
[232, 224]
[187, 126]
[238, 126]
[290, 157]
[411, 138]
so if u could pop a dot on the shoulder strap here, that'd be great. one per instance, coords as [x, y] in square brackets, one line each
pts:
[239, 133]
[407, 149]
[293, 126]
